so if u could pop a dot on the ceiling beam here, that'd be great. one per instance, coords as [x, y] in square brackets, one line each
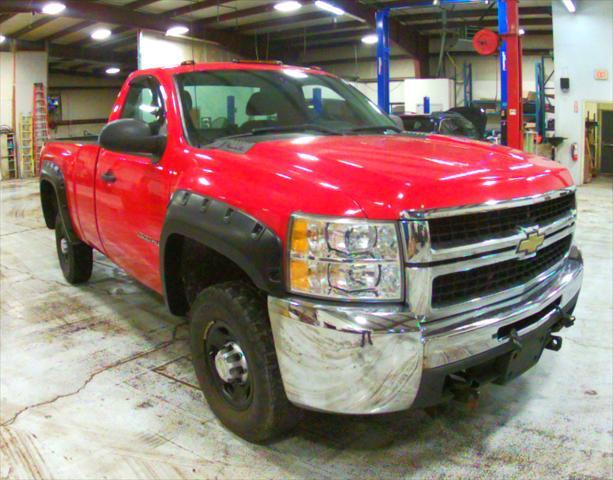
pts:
[411, 17]
[77, 27]
[90, 54]
[177, 12]
[326, 38]
[355, 42]
[116, 36]
[94, 74]
[22, 46]
[6, 16]
[404, 36]
[32, 26]
[373, 58]
[284, 22]
[246, 12]
[128, 17]
[318, 29]
[140, 3]
[483, 23]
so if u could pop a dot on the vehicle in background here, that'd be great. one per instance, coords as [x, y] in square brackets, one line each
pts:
[443, 123]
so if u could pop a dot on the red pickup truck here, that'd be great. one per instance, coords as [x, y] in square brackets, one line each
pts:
[326, 260]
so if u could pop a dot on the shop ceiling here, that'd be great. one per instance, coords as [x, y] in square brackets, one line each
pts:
[250, 28]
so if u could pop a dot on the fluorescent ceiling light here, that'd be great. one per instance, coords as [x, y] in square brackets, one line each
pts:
[370, 39]
[289, 6]
[522, 31]
[113, 70]
[2, 38]
[570, 5]
[53, 8]
[328, 7]
[177, 31]
[101, 34]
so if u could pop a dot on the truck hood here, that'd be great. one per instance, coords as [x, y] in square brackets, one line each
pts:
[386, 174]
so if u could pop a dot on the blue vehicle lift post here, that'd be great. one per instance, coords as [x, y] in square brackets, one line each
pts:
[383, 47]
[539, 102]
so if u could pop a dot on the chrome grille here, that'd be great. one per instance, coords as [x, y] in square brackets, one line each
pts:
[463, 286]
[478, 270]
[497, 223]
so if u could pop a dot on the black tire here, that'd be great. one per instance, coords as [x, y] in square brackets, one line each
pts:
[237, 312]
[76, 259]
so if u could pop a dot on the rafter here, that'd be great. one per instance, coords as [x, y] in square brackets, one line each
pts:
[483, 23]
[319, 29]
[404, 36]
[246, 12]
[6, 16]
[116, 36]
[90, 54]
[67, 31]
[411, 17]
[128, 17]
[140, 3]
[177, 12]
[284, 22]
[32, 26]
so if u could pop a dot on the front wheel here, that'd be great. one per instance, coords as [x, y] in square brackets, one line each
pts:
[76, 259]
[236, 365]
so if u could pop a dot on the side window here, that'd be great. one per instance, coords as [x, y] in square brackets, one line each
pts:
[144, 103]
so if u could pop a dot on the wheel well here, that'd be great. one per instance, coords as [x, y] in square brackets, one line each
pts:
[190, 267]
[49, 203]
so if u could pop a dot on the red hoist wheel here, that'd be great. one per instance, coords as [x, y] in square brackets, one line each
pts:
[485, 42]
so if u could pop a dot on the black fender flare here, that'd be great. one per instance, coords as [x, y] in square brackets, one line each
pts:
[51, 172]
[250, 244]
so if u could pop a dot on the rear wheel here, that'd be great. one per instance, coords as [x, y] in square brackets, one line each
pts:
[76, 259]
[235, 362]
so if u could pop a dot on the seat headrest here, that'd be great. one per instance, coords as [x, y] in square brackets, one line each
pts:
[264, 102]
[187, 101]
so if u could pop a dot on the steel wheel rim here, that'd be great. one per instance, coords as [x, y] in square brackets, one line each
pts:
[228, 365]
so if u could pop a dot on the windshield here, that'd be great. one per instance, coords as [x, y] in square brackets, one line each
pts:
[224, 103]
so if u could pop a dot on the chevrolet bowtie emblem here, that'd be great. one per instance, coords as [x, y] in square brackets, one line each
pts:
[531, 243]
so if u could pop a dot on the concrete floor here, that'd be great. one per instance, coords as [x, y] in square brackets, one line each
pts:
[96, 383]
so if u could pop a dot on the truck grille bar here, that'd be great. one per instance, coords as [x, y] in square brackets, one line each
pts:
[497, 223]
[463, 286]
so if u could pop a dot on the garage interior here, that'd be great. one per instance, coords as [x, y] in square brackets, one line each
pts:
[96, 380]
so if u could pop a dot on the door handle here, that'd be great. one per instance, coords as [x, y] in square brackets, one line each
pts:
[108, 177]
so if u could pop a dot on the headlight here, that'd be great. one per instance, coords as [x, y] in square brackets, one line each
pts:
[342, 258]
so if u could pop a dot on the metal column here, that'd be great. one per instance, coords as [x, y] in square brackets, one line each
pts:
[383, 59]
[539, 101]
[510, 74]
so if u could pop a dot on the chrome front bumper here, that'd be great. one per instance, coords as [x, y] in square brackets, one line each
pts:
[370, 359]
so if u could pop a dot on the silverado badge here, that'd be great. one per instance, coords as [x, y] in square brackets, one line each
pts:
[529, 245]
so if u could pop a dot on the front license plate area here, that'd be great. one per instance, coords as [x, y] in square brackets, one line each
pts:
[521, 359]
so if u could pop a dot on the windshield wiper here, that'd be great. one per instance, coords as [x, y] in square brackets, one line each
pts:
[294, 128]
[376, 128]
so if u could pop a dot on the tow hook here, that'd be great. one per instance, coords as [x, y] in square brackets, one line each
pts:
[567, 319]
[464, 390]
[514, 338]
[554, 343]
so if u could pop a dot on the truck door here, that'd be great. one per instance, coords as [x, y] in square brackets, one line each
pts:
[132, 192]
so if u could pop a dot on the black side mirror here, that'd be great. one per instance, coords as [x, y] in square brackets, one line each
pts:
[131, 136]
